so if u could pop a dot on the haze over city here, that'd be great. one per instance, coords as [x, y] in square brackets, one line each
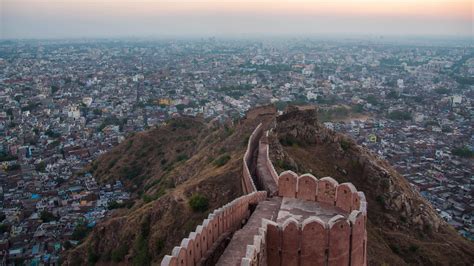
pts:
[226, 132]
[191, 18]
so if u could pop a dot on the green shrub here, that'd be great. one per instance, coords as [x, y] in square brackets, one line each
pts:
[399, 115]
[463, 152]
[413, 248]
[222, 160]
[14, 167]
[92, 256]
[181, 157]
[160, 245]
[380, 200]
[198, 203]
[80, 231]
[119, 253]
[345, 145]
[3, 228]
[116, 205]
[47, 217]
[140, 246]
[395, 249]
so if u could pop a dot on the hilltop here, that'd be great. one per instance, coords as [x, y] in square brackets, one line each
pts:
[191, 158]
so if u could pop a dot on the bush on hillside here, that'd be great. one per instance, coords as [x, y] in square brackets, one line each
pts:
[198, 203]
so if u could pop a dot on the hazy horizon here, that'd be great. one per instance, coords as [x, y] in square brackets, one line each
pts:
[43, 19]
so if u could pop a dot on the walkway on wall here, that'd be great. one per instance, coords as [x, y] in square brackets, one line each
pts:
[282, 219]
[237, 248]
[265, 178]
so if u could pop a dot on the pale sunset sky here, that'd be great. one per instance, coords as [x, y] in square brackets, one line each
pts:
[230, 18]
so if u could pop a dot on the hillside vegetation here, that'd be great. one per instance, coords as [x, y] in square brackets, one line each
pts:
[181, 171]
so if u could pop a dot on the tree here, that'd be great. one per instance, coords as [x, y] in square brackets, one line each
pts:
[47, 217]
[80, 231]
[399, 115]
[464, 152]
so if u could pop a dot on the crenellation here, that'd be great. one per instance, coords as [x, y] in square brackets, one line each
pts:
[344, 194]
[320, 222]
[180, 254]
[307, 187]
[327, 190]
[357, 221]
[339, 241]
[287, 182]
[188, 245]
[290, 242]
[314, 230]
[169, 261]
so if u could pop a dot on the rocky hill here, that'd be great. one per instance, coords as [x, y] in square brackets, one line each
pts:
[190, 160]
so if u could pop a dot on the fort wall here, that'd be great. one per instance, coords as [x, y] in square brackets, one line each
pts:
[248, 184]
[325, 190]
[337, 240]
[340, 241]
[226, 219]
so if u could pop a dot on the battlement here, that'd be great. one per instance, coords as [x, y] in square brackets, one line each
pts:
[320, 222]
[306, 220]
[226, 219]
[325, 190]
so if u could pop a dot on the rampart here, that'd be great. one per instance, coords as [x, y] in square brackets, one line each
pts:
[325, 190]
[319, 221]
[341, 240]
[267, 177]
[226, 219]
[248, 183]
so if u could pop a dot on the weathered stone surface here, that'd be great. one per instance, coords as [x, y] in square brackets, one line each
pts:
[327, 190]
[358, 234]
[203, 239]
[344, 194]
[339, 241]
[307, 187]
[188, 245]
[196, 238]
[274, 238]
[287, 182]
[180, 254]
[290, 242]
[314, 241]
[169, 261]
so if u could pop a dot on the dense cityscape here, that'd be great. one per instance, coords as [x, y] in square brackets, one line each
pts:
[63, 103]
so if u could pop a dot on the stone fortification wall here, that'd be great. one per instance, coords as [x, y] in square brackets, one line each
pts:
[325, 190]
[267, 177]
[269, 163]
[226, 219]
[340, 241]
[248, 184]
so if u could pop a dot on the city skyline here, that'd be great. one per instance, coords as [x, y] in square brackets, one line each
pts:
[146, 18]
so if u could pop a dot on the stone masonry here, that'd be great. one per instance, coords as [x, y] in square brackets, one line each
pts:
[298, 220]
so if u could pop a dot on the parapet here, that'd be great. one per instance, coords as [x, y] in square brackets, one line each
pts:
[325, 190]
[228, 218]
[248, 184]
[338, 239]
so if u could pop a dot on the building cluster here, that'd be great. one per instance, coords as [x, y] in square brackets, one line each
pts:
[63, 103]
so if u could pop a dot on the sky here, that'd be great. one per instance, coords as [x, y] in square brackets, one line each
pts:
[231, 18]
